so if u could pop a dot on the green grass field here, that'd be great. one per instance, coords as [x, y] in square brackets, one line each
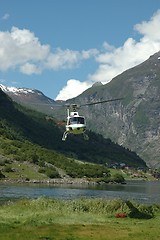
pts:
[81, 219]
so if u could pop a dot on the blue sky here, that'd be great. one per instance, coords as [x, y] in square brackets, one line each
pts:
[62, 47]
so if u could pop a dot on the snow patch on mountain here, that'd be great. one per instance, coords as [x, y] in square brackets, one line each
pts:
[17, 91]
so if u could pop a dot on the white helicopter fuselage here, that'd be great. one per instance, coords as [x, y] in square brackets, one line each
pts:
[76, 128]
[76, 124]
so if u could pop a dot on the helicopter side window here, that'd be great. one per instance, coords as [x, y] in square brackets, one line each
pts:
[81, 120]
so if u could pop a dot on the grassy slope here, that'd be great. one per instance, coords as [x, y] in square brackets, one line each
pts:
[26, 136]
[83, 219]
[24, 170]
[27, 170]
[18, 123]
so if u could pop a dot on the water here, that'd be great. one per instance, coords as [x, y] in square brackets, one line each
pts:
[141, 191]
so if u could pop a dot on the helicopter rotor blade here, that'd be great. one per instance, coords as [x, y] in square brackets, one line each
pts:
[104, 101]
[74, 105]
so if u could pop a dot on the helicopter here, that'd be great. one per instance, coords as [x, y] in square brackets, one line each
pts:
[76, 124]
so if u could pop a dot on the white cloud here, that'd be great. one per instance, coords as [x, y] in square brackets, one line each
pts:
[150, 29]
[108, 47]
[89, 53]
[29, 69]
[63, 59]
[5, 16]
[67, 59]
[2, 80]
[19, 47]
[72, 89]
[132, 53]
[113, 61]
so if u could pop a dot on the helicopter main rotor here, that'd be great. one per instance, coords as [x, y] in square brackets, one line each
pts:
[74, 106]
[103, 101]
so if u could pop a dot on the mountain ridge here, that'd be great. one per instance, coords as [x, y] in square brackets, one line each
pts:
[21, 95]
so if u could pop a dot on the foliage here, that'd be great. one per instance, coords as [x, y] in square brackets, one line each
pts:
[24, 151]
[112, 178]
[18, 123]
[92, 206]
[81, 219]
[7, 169]
[1, 175]
[141, 211]
[52, 173]
[26, 136]
[118, 178]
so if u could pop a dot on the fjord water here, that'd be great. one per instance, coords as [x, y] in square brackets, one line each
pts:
[141, 191]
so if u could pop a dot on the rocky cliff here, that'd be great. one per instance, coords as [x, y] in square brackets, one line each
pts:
[134, 121]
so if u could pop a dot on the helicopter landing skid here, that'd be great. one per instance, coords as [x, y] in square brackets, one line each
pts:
[85, 136]
[65, 134]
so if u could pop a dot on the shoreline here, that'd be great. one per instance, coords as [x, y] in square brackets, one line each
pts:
[58, 181]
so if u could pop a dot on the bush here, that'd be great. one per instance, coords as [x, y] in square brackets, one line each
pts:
[140, 212]
[7, 169]
[41, 170]
[2, 162]
[2, 175]
[118, 178]
[41, 163]
[52, 173]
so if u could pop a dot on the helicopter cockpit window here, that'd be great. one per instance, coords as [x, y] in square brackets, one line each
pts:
[76, 120]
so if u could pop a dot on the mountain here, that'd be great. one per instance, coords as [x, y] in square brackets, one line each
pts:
[21, 126]
[22, 95]
[32, 98]
[134, 121]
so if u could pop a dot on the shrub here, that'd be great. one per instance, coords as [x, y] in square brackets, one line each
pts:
[2, 162]
[41, 170]
[140, 212]
[118, 178]
[52, 173]
[7, 169]
[2, 175]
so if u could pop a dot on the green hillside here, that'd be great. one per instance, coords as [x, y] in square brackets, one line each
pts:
[26, 136]
[134, 121]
